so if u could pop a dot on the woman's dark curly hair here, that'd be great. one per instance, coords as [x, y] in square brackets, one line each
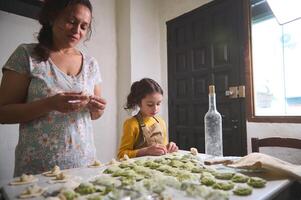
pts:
[50, 11]
[139, 90]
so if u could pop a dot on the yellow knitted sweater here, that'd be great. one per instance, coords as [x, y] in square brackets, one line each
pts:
[131, 133]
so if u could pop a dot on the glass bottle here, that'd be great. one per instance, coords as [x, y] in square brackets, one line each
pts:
[213, 127]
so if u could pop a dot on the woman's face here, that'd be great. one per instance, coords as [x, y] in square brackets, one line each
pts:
[71, 26]
[150, 104]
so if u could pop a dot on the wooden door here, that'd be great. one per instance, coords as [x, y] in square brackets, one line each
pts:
[205, 46]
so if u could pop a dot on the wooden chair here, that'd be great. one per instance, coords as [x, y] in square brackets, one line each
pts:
[275, 142]
[295, 188]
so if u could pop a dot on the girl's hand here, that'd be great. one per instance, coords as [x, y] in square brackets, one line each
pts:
[154, 150]
[172, 147]
[67, 102]
[96, 104]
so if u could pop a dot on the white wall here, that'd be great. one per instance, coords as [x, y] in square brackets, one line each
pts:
[138, 47]
[103, 47]
[16, 29]
[145, 40]
[123, 23]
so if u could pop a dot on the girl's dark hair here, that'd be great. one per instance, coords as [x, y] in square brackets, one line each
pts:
[50, 11]
[139, 90]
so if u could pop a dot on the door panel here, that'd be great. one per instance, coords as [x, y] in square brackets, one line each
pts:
[204, 48]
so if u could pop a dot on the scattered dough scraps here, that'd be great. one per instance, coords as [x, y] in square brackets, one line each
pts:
[113, 162]
[126, 157]
[96, 163]
[194, 151]
[60, 178]
[55, 171]
[32, 191]
[24, 179]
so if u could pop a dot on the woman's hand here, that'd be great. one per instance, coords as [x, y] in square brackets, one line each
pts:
[96, 106]
[172, 147]
[68, 102]
[153, 150]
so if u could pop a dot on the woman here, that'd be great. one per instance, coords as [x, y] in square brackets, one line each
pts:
[53, 91]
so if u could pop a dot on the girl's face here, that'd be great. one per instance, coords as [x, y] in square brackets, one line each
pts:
[150, 104]
[71, 25]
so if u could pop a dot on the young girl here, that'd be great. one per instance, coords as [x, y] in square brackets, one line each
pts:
[145, 133]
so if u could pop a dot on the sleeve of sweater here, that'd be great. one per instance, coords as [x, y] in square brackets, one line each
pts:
[128, 139]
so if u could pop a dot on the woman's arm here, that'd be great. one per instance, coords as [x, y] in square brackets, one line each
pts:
[96, 104]
[13, 91]
[13, 106]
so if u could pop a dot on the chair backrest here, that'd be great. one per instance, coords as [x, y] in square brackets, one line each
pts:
[275, 142]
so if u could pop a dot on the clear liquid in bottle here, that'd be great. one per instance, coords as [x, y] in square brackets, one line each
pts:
[213, 127]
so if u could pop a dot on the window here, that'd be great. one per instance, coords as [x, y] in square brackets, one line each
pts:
[276, 57]
[285, 11]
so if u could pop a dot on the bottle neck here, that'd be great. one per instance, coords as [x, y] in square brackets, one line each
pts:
[212, 102]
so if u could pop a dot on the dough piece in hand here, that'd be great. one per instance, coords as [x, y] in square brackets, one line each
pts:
[32, 191]
[24, 179]
[194, 151]
[95, 164]
[55, 171]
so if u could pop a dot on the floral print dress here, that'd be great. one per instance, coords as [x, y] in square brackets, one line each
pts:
[63, 139]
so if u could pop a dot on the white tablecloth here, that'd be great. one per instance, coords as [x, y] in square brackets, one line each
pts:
[272, 189]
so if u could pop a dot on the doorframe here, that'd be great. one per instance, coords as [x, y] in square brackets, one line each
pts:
[247, 62]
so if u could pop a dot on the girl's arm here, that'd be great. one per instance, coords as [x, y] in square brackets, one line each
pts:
[13, 106]
[128, 139]
[170, 146]
[154, 150]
